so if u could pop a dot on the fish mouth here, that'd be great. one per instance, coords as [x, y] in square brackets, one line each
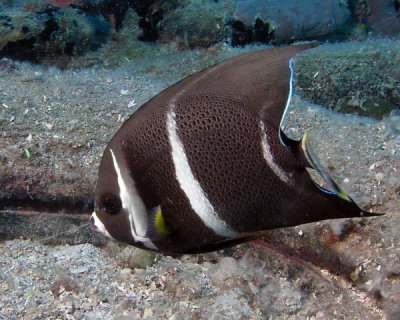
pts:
[98, 226]
[93, 225]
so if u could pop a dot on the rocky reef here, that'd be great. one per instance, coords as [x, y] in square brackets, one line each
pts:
[52, 31]
[286, 21]
[357, 77]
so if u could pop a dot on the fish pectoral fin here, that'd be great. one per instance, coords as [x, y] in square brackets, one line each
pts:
[317, 165]
[157, 228]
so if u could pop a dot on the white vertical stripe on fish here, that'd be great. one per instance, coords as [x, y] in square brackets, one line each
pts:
[133, 203]
[189, 184]
[269, 158]
[100, 225]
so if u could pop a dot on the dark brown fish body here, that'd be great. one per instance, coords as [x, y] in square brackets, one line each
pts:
[201, 166]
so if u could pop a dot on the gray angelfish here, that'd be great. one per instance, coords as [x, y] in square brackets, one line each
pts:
[205, 165]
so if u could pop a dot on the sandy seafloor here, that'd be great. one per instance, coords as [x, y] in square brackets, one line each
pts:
[65, 118]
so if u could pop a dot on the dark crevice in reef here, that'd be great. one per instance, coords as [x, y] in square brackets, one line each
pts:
[51, 26]
[241, 35]
[46, 203]
[20, 50]
[263, 31]
[260, 32]
[148, 25]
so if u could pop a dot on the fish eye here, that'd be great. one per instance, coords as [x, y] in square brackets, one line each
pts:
[111, 204]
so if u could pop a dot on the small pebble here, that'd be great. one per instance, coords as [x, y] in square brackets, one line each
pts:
[226, 268]
[379, 176]
[132, 103]
[133, 257]
[79, 269]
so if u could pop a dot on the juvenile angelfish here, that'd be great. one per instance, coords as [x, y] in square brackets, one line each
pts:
[205, 165]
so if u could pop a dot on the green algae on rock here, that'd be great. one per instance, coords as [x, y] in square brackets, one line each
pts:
[357, 77]
[197, 23]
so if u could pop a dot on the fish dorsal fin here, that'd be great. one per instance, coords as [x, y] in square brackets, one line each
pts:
[282, 136]
[317, 165]
[157, 228]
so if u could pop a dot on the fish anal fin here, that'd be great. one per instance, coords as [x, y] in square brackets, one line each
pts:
[227, 242]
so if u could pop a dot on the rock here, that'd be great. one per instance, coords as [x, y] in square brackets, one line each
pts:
[132, 257]
[196, 23]
[34, 32]
[393, 120]
[187, 289]
[285, 21]
[359, 78]
[64, 283]
[18, 26]
[7, 66]
[226, 269]
[178, 316]
[230, 304]
[370, 107]
[281, 298]
[395, 315]
[52, 32]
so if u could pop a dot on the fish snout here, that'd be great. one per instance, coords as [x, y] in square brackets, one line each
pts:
[98, 226]
[93, 224]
